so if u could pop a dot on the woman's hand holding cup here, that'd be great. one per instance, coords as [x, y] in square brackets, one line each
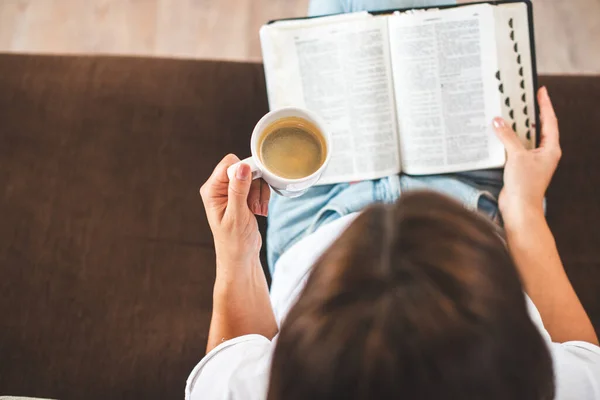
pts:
[230, 205]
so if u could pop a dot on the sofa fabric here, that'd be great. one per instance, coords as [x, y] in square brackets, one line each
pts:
[106, 258]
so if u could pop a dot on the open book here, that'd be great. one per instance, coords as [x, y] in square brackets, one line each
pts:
[411, 91]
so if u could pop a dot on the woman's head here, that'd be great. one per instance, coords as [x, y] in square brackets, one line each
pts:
[416, 300]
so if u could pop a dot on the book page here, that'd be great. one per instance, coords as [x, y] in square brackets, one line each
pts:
[515, 70]
[443, 64]
[340, 69]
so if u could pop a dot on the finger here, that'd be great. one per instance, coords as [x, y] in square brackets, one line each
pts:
[549, 131]
[254, 197]
[265, 196]
[507, 136]
[219, 174]
[239, 188]
[214, 190]
[217, 182]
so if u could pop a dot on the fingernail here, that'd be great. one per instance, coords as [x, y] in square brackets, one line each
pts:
[264, 209]
[242, 172]
[499, 123]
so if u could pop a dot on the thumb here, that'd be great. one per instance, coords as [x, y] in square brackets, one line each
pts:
[239, 187]
[507, 136]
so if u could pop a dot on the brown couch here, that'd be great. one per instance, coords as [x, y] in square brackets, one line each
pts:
[106, 259]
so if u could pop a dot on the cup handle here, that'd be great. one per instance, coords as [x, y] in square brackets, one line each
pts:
[256, 173]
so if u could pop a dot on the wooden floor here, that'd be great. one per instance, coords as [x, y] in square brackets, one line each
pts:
[567, 31]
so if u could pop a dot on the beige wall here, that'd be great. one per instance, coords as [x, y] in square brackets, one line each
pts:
[567, 31]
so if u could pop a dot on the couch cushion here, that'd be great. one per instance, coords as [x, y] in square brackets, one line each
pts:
[106, 259]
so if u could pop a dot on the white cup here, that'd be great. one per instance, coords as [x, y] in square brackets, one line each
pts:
[283, 186]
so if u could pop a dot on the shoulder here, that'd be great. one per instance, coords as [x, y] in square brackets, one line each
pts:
[576, 370]
[236, 369]
[576, 364]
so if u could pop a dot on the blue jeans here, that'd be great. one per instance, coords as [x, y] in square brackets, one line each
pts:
[291, 219]
[324, 7]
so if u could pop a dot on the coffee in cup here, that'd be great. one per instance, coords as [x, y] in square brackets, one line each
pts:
[292, 148]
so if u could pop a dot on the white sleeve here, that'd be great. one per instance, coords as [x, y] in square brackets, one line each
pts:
[576, 364]
[236, 369]
[576, 370]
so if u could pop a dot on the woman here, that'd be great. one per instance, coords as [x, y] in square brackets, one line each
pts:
[417, 299]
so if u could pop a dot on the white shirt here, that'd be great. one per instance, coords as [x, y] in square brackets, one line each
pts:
[239, 368]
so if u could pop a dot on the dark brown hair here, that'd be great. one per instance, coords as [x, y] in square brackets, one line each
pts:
[416, 300]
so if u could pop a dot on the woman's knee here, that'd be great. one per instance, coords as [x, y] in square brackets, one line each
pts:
[326, 7]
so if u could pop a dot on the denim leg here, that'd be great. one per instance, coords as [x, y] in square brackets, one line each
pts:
[325, 7]
[476, 190]
[490, 182]
[290, 220]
